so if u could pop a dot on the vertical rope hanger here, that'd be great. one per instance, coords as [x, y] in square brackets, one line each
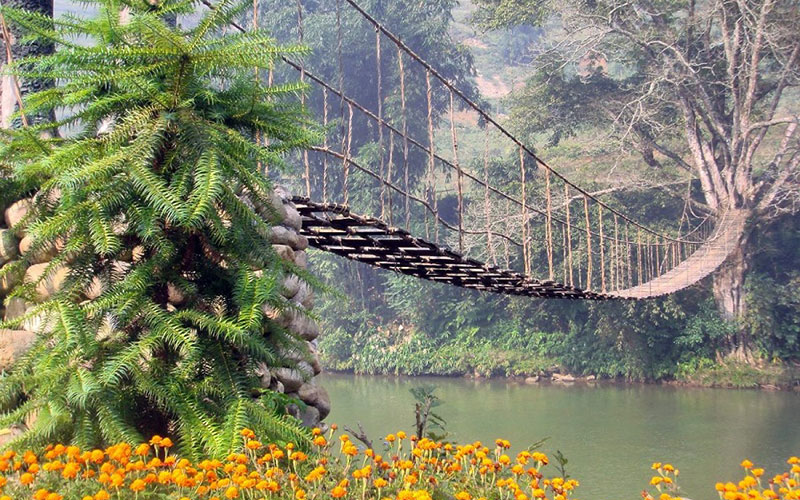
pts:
[639, 254]
[378, 63]
[404, 113]
[617, 266]
[324, 144]
[569, 234]
[505, 241]
[524, 215]
[549, 226]
[489, 246]
[389, 172]
[628, 273]
[431, 156]
[602, 251]
[300, 39]
[588, 243]
[459, 176]
[340, 64]
[346, 161]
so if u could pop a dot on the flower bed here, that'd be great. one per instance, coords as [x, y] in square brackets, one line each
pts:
[408, 469]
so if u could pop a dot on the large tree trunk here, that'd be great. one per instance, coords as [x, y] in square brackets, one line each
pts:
[729, 293]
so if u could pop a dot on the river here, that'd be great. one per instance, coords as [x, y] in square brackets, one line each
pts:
[609, 433]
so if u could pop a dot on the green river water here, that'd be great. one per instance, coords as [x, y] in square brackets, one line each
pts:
[610, 433]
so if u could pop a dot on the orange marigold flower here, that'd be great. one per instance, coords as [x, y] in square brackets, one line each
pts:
[746, 464]
[380, 483]
[401, 435]
[26, 479]
[390, 438]
[320, 441]
[463, 495]
[102, 495]
[338, 492]
[253, 445]
[138, 485]
[70, 470]
[156, 440]
[54, 496]
[232, 492]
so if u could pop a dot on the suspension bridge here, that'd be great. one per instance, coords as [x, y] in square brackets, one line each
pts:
[365, 201]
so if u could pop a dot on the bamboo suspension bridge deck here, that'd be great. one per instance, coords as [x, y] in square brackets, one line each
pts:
[333, 228]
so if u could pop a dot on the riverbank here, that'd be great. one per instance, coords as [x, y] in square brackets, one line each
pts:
[708, 374]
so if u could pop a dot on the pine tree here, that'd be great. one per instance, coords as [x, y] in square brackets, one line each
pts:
[154, 193]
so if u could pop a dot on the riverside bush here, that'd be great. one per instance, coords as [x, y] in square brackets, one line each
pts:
[410, 469]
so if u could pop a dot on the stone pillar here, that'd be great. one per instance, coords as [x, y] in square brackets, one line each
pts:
[296, 377]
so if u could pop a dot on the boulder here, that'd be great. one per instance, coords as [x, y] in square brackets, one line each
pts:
[305, 369]
[285, 252]
[280, 235]
[301, 243]
[292, 218]
[305, 327]
[564, 378]
[13, 344]
[175, 295]
[41, 255]
[304, 296]
[9, 246]
[16, 213]
[310, 416]
[11, 279]
[278, 208]
[317, 397]
[262, 371]
[291, 285]
[15, 308]
[277, 386]
[49, 285]
[95, 289]
[291, 378]
[301, 259]
[282, 194]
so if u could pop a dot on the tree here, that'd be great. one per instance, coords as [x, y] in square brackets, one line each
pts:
[708, 87]
[152, 308]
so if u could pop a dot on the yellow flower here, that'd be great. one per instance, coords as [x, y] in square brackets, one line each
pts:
[463, 495]
[746, 464]
[380, 483]
[232, 492]
[138, 485]
[401, 435]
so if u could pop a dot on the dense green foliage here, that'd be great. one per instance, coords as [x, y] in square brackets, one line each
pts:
[156, 192]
